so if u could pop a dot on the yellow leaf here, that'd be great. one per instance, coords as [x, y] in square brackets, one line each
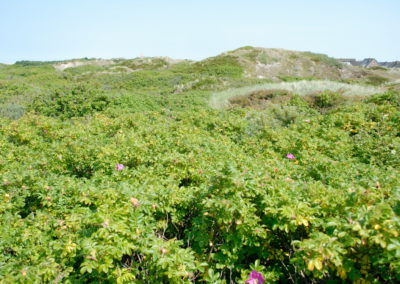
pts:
[342, 273]
[318, 264]
[310, 265]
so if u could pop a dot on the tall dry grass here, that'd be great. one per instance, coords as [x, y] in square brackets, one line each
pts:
[220, 100]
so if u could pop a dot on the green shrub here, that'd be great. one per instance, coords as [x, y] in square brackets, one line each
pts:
[259, 98]
[376, 80]
[76, 101]
[378, 68]
[12, 111]
[223, 65]
[325, 99]
[322, 58]
[295, 78]
[295, 192]
[205, 84]
[390, 97]
[35, 63]
[285, 115]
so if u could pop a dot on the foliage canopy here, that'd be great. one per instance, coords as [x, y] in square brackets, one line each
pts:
[204, 195]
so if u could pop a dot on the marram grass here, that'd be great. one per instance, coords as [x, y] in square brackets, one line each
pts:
[219, 100]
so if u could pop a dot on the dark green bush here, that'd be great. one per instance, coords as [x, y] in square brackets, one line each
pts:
[35, 63]
[259, 98]
[325, 99]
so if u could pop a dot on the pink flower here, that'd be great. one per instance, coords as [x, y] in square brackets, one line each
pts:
[290, 156]
[119, 167]
[255, 278]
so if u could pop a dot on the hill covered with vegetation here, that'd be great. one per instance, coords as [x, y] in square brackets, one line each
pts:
[154, 170]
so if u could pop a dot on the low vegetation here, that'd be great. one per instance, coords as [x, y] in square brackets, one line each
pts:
[195, 172]
[221, 99]
[316, 57]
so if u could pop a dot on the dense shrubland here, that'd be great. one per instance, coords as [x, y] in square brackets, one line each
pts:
[133, 177]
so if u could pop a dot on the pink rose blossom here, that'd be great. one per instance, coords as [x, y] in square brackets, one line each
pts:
[290, 156]
[255, 278]
[119, 167]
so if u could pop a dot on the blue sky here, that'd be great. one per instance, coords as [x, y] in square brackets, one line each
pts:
[64, 29]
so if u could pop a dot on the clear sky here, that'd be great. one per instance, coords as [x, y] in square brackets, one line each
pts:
[64, 29]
